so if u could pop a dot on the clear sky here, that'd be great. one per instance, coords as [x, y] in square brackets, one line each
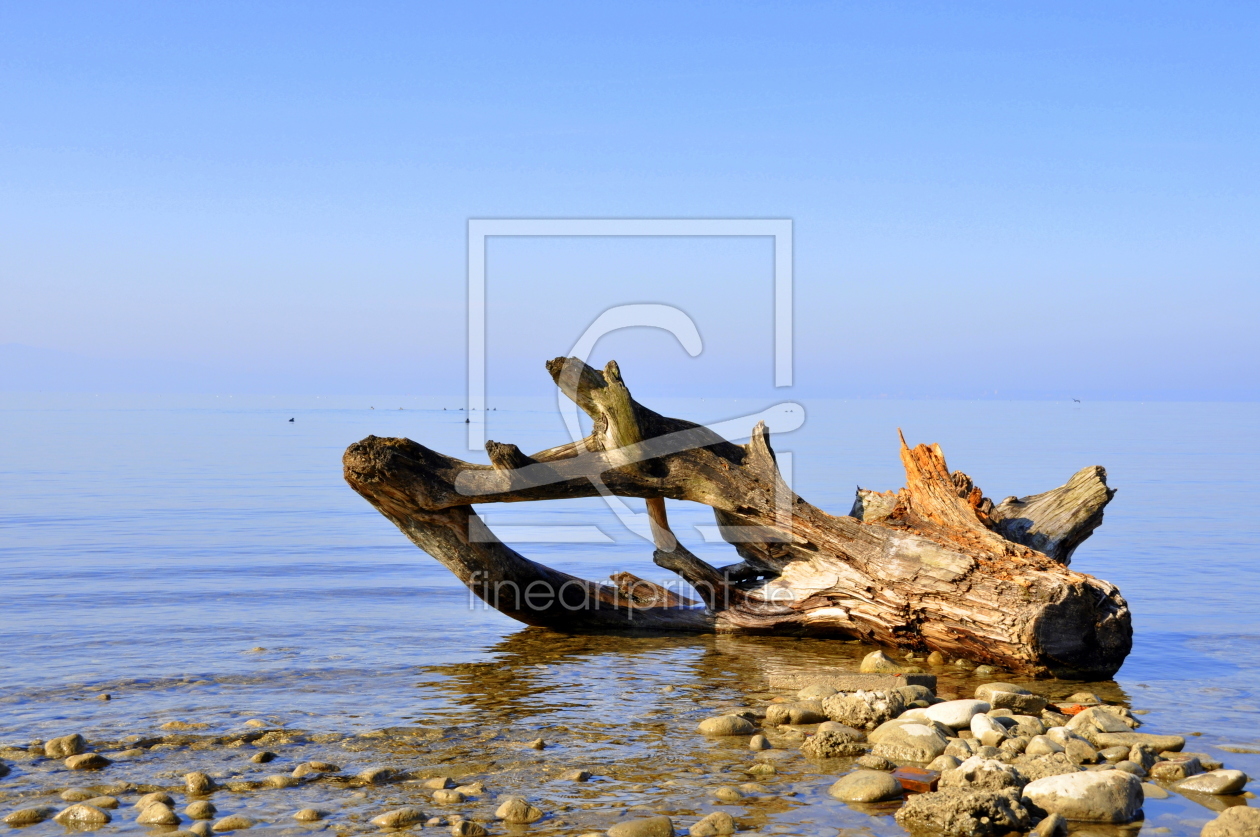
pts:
[998, 199]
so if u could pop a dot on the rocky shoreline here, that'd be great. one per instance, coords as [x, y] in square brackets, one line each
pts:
[1005, 760]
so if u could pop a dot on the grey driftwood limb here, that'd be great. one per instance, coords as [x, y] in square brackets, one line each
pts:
[934, 566]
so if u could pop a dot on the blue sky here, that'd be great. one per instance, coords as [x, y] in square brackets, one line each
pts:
[989, 199]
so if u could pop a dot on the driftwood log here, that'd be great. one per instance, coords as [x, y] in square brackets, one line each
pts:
[934, 566]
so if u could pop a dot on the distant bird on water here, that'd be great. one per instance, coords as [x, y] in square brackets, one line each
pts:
[1077, 400]
[290, 419]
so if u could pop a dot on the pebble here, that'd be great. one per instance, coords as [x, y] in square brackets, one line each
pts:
[956, 714]
[939, 764]
[647, 827]
[516, 810]
[719, 822]
[201, 829]
[866, 786]
[263, 757]
[537, 744]
[871, 762]
[82, 814]
[375, 775]
[149, 798]
[577, 776]
[399, 817]
[198, 784]
[1052, 826]
[448, 797]
[1239, 821]
[256, 723]
[478, 788]
[936, 658]
[1216, 782]
[159, 813]
[1094, 796]
[310, 768]
[1174, 770]
[877, 662]
[818, 691]
[280, 780]
[77, 795]
[108, 802]
[438, 783]
[309, 815]
[728, 794]
[235, 822]
[1153, 791]
[727, 725]
[30, 816]
[201, 809]
[65, 746]
[468, 828]
[87, 761]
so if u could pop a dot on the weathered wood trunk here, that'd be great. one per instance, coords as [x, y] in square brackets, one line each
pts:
[934, 566]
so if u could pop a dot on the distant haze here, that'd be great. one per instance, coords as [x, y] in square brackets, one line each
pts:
[989, 200]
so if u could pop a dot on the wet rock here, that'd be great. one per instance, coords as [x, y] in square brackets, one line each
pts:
[877, 662]
[1131, 767]
[201, 829]
[1158, 743]
[516, 810]
[1096, 796]
[83, 814]
[65, 746]
[313, 768]
[1143, 755]
[936, 658]
[871, 762]
[802, 712]
[262, 757]
[983, 774]
[865, 786]
[759, 742]
[87, 761]
[1115, 755]
[1174, 770]
[1043, 746]
[149, 798]
[863, 709]
[201, 809]
[1080, 752]
[478, 788]
[727, 725]
[962, 748]
[106, 802]
[375, 775]
[1215, 782]
[437, 821]
[911, 694]
[399, 817]
[911, 742]
[1239, 821]
[198, 784]
[468, 828]
[309, 815]
[728, 794]
[719, 822]
[831, 745]
[942, 763]
[280, 780]
[77, 795]
[645, 827]
[448, 797]
[537, 744]
[236, 822]
[577, 776]
[956, 714]
[1012, 697]
[832, 726]
[1039, 767]
[159, 813]
[1052, 826]
[956, 812]
[987, 731]
[1083, 699]
[818, 691]
[1096, 719]
[1150, 791]
[762, 768]
[438, 783]
[29, 816]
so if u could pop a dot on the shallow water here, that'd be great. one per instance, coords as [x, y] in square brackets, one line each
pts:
[201, 560]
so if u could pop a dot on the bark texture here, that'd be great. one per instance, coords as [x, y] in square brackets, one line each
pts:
[934, 566]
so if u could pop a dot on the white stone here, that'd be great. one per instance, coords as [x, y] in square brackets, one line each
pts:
[956, 714]
[1091, 795]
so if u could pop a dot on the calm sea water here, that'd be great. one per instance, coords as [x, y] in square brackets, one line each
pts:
[203, 559]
